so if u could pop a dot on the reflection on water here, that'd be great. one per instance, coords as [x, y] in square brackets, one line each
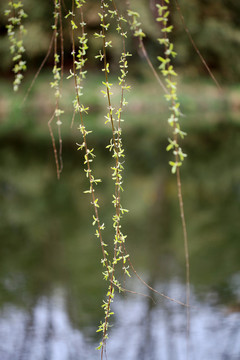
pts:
[50, 274]
[141, 331]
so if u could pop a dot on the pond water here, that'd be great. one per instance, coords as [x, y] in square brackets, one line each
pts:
[51, 284]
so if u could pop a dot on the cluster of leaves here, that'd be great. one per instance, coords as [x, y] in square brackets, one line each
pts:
[169, 74]
[16, 31]
[56, 84]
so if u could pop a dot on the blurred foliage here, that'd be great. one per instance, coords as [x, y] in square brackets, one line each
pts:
[215, 27]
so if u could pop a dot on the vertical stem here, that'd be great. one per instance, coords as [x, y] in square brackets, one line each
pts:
[186, 250]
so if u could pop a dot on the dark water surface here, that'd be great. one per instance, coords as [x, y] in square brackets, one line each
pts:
[51, 286]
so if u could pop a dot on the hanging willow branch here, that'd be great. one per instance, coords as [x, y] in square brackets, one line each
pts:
[109, 16]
